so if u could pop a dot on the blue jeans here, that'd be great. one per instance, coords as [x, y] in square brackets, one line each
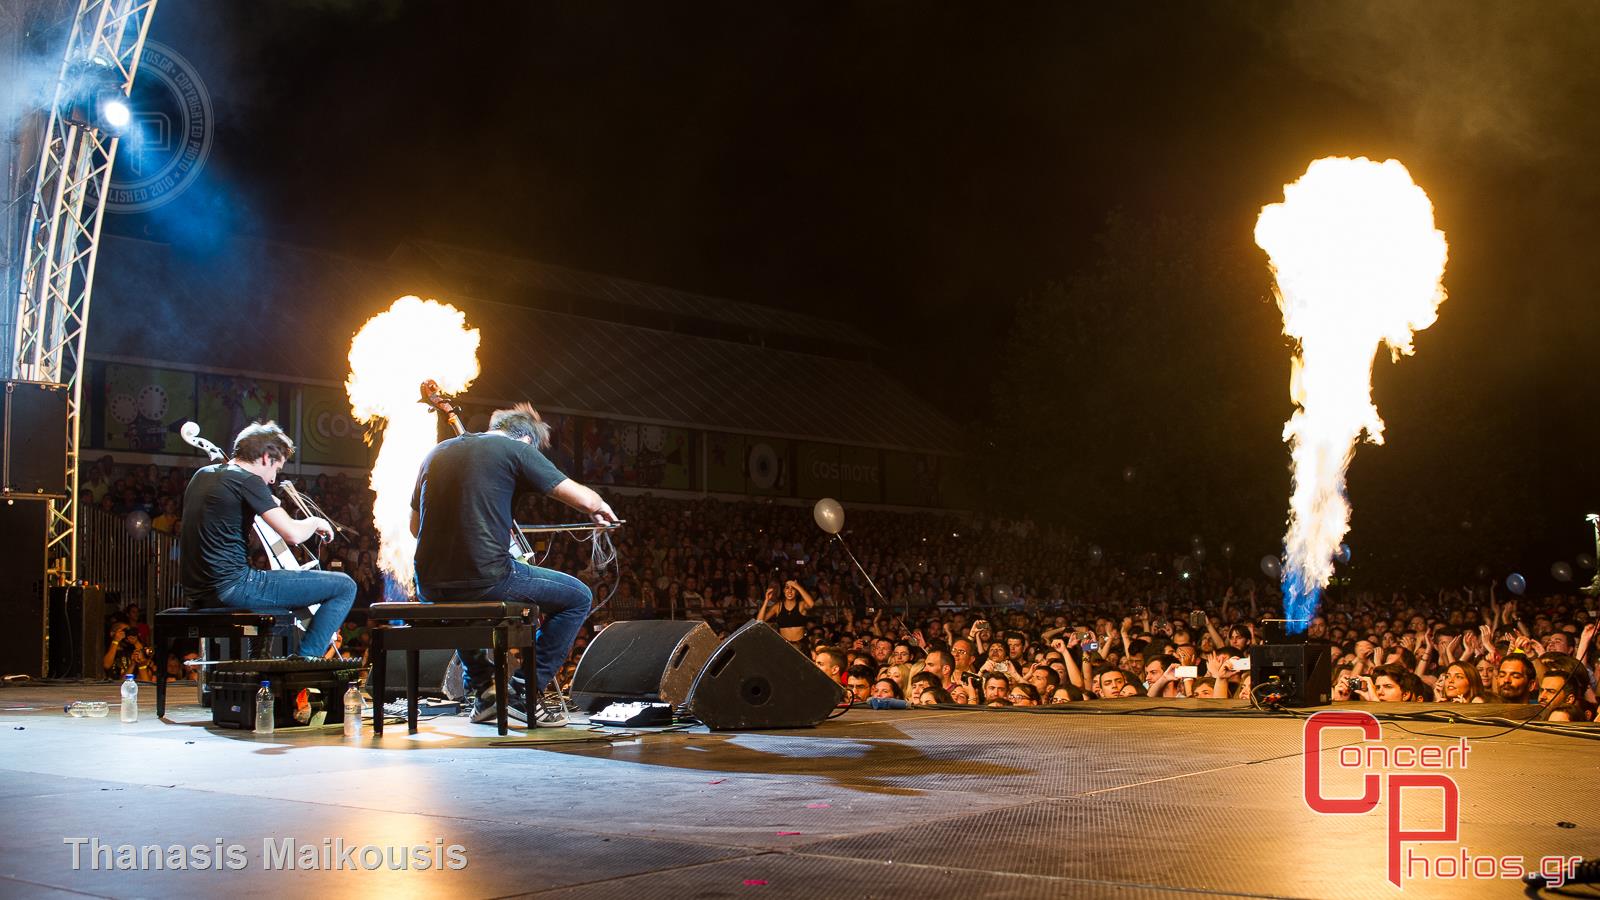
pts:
[565, 602]
[281, 588]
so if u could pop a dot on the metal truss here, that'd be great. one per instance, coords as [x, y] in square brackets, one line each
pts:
[63, 239]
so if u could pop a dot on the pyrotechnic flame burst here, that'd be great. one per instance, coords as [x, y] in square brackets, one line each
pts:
[1358, 262]
[392, 354]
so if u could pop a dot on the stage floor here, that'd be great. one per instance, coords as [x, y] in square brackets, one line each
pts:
[917, 804]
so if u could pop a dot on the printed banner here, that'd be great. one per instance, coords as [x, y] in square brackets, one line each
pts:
[145, 407]
[956, 490]
[627, 453]
[671, 461]
[911, 479]
[844, 473]
[328, 434]
[860, 475]
[766, 465]
[228, 403]
[724, 462]
[563, 441]
[563, 432]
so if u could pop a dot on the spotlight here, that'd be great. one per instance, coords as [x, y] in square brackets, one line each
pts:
[116, 113]
[95, 97]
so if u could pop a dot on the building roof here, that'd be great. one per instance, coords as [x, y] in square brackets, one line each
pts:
[284, 311]
[530, 283]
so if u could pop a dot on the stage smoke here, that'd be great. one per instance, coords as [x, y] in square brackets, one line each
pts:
[1358, 262]
[392, 354]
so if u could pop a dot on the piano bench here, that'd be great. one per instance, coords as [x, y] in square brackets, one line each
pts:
[445, 626]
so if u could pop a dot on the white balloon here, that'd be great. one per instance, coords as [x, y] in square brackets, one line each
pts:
[829, 515]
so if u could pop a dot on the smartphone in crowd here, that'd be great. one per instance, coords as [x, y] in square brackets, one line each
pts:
[1188, 671]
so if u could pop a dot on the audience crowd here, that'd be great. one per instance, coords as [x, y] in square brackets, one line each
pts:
[971, 611]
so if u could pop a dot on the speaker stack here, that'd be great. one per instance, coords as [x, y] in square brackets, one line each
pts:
[33, 469]
[77, 632]
[24, 525]
[753, 680]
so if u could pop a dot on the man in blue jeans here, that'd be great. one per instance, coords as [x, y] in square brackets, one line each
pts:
[219, 507]
[461, 513]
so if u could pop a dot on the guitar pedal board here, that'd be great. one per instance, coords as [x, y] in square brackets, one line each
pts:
[635, 714]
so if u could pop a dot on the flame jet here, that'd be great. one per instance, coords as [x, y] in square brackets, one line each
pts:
[394, 352]
[1358, 262]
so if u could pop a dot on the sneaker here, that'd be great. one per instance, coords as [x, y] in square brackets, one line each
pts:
[550, 711]
[486, 710]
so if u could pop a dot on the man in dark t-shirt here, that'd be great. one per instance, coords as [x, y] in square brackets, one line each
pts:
[219, 507]
[461, 513]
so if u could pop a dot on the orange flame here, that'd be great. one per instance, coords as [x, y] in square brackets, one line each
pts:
[1358, 262]
[392, 354]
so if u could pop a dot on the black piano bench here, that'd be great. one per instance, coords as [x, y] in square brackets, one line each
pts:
[233, 625]
[443, 626]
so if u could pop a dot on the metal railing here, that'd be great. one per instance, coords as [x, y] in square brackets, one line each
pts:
[138, 564]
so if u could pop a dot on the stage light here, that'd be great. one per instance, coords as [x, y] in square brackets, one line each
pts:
[116, 113]
[95, 97]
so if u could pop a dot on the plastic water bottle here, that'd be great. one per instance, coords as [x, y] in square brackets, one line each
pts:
[130, 699]
[264, 708]
[352, 712]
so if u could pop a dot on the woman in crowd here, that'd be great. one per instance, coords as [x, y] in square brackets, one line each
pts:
[887, 689]
[1459, 683]
[1023, 694]
[791, 616]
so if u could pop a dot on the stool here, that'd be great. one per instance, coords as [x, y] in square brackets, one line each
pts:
[443, 626]
[231, 625]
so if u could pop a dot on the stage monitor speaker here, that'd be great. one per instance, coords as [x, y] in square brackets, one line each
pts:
[22, 587]
[756, 679]
[1303, 672]
[432, 668]
[648, 660]
[33, 454]
[77, 632]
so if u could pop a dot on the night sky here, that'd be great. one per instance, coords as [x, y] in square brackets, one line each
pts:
[917, 168]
